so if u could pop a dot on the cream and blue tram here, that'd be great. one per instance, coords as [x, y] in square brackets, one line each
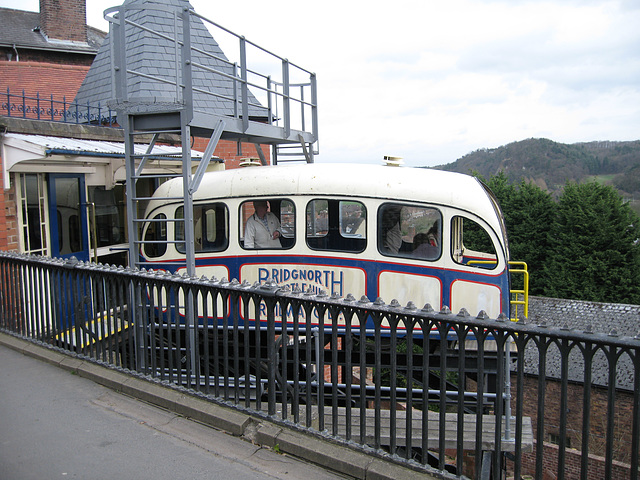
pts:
[409, 234]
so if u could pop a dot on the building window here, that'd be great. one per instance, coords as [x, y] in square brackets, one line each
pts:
[109, 215]
[555, 439]
[33, 213]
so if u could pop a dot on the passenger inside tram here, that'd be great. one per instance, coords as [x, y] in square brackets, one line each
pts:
[427, 245]
[262, 229]
[392, 235]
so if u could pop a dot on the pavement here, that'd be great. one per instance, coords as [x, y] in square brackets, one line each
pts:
[62, 417]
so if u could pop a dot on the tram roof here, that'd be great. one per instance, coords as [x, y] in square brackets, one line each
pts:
[349, 180]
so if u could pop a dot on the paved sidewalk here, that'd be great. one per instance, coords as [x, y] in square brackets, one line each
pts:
[61, 417]
[57, 425]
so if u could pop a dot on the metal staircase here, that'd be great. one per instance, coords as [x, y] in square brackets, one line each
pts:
[301, 152]
[169, 77]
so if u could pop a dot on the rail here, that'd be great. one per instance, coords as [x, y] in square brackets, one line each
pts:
[35, 107]
[246, 82]
[519, 296]
[430, 403]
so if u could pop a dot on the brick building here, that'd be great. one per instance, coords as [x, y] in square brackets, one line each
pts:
[58, 34]
[53, 69]
[37, 50]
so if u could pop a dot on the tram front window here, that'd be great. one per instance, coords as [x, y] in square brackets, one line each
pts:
[472, 244]
[155, 237]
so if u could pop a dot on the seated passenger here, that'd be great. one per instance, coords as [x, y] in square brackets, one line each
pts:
[425, 246]
[392, 235]
[262, 229]
[432, 235]
[353, 226]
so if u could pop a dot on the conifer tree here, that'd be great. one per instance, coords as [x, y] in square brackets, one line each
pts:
[594, 251]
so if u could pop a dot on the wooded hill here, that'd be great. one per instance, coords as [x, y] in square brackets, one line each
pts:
[550, 164]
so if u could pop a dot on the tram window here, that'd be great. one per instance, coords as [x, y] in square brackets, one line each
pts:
[336, 225]
[109, 214]
[155, 237]
[210, 228]
[253, 233]
[410, 231]
[471, 244]
[287, 219]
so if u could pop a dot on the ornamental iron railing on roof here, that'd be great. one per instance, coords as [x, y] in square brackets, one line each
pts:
[37, 107]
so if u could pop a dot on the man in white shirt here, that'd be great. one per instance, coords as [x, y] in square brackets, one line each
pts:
[262, 229]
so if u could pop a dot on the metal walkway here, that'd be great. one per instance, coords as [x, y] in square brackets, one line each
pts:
[170, 77]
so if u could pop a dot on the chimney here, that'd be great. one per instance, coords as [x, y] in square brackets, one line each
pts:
[64, 20]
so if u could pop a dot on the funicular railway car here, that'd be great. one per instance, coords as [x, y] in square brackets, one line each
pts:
[409, 234]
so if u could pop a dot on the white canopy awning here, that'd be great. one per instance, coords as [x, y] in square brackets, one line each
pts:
[103, 162]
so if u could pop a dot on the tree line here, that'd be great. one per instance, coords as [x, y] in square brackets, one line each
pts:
[583, 244]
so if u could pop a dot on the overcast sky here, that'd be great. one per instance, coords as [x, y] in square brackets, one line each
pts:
[431, 81]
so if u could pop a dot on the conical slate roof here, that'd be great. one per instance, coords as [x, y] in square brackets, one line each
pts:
[155, 56]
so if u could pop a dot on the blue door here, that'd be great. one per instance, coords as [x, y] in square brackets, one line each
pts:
[68, 216]
[68, 229]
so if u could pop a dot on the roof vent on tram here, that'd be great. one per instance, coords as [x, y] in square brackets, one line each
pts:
[393, 161]
[250, 162]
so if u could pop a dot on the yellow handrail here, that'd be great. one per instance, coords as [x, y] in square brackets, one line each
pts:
[518, 297]
[515, 299]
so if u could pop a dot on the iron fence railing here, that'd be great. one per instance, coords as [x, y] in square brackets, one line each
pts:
[450, 392]
[36, 107]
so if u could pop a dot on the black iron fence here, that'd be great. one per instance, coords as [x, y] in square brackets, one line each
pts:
[21, 105]
[450, 392]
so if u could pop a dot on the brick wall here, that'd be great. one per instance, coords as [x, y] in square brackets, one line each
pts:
[50, 56]
[8, 218]
[64, 19]
[598, 414]
[328, 372]
[572, 465]
[228, 151]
